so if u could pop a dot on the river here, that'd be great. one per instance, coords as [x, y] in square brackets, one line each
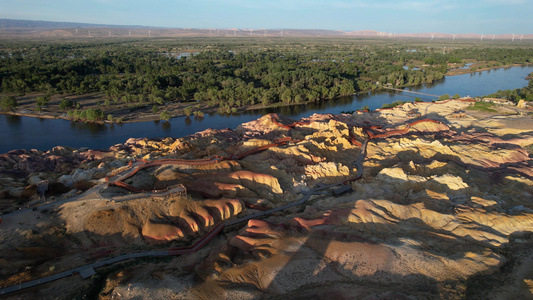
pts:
[43, 134]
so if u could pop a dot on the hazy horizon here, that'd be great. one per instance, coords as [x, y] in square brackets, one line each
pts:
[416, 16]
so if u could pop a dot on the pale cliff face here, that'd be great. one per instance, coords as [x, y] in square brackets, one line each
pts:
[439, 209]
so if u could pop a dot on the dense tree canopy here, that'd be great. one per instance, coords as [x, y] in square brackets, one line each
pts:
[228, 72]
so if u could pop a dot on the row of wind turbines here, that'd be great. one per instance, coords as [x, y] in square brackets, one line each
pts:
[493, 37]
[282, 33]
[454, 36]
[226, 32]
[250, 31]
[109, 33]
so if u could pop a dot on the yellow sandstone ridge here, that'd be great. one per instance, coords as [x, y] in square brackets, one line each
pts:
[431, 210]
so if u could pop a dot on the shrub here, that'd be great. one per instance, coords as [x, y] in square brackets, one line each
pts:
[444, 97]
[187, 111]
[93, 114]
[43, 100]
[393, 104]
[159, 100]
[82, 114]
[8, 102]
[74, 114]
[165, 115]
[64, 104]
[198, 114]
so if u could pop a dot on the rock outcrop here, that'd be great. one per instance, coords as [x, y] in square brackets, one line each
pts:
[436, 209]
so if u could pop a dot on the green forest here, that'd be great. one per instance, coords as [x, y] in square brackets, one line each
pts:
[230, 73]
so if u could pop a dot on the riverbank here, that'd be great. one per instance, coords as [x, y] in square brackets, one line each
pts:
[120, 114]
[478, 67]
[145, 113]
[130, 113]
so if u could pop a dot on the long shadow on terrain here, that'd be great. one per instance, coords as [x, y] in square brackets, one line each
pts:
[336, 265]
[324, 265]
[435, 241]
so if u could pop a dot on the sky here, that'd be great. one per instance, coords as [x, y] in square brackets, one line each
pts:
[397, 16]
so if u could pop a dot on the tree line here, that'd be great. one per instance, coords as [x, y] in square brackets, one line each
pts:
[227, 74]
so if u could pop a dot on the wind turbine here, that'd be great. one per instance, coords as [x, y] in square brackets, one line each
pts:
[522, 36]
[265, 33]
[432, 36]
[251, 32]
[149, 33]
[76, 30]
[454, 35]
[109, 32]
[281, 33]
[129, 33]
[493, 37]
[89, 33]
[481, 37]
[513, 38]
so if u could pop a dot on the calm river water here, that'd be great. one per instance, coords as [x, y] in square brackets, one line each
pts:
[43, 134]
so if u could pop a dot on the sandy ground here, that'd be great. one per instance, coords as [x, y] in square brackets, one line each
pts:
[417, 209]
[144, 113]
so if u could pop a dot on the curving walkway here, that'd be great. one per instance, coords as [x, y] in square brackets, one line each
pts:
[118, 180]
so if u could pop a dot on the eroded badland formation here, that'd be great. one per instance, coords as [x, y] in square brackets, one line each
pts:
[438, 208]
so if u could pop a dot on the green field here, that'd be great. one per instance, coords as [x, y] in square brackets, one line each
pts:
[483, 106]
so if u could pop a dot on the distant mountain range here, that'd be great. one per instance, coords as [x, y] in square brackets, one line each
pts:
[27, 28]
[9, 23]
